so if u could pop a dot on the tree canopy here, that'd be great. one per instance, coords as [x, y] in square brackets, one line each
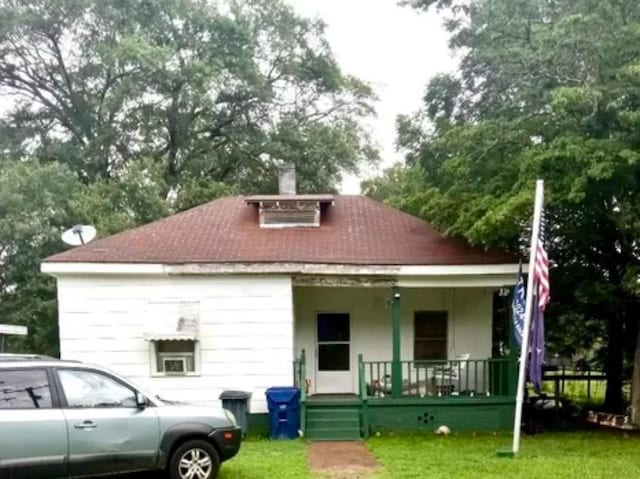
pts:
[543, 90]
[212, 93]
[119, 112]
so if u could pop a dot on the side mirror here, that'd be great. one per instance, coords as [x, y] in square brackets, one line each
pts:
[141, 401]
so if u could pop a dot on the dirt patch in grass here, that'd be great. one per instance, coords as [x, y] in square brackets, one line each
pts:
[342, 460]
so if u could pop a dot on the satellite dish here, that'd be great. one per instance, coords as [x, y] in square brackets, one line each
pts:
[79, 235]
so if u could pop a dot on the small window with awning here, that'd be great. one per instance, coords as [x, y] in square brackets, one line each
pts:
[175, 356]
[172, 331]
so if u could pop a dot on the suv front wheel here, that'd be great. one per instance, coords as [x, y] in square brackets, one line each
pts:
[195, 459]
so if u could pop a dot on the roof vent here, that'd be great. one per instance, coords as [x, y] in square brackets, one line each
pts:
[288, 214]
[290, 211]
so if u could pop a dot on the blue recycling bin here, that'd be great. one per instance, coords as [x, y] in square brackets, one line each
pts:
[284, 412]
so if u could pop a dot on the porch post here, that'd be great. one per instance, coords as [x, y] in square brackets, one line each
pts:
[396, 366]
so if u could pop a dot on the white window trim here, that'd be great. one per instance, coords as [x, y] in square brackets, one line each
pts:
[153, 361]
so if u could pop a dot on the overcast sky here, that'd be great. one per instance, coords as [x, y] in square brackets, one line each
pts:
[396, 49]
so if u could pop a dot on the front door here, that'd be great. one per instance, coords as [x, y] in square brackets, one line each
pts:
[333, 353]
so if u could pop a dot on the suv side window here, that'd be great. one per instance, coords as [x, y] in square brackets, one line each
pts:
[24, 389]
[90, 389]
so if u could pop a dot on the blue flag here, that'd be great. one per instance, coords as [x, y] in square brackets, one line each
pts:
[537, 347]
[517, 307]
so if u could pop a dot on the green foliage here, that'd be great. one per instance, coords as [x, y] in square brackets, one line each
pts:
[194, 192]
[399, 187]
[33, 210]
[132, 198]
[122, 112]
[544, 90]
[578, 393]
[210, 94]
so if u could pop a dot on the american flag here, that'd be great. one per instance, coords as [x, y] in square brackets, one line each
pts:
[541, 269]
[541, 292]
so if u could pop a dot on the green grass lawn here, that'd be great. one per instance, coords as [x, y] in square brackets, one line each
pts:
[558, 456]
[262, 459]
[584, 455]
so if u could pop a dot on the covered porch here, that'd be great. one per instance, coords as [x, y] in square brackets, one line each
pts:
[354, 416]
[401, 354]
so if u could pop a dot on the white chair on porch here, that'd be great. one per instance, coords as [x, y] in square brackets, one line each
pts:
[446, 378]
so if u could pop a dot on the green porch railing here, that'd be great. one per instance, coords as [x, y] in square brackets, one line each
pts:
[364, 398]
[300, 381]
[455, 377]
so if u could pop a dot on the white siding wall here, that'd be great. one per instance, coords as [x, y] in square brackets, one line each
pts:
[470, 311]
[246, 330]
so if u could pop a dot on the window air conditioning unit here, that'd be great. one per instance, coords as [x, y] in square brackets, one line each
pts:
[174, 365]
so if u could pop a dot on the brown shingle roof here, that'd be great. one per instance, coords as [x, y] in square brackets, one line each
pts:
[355, 230]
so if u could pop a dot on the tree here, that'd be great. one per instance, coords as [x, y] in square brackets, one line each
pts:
[132, 198]
[122, 112]
[39, 201]
[33, 210]
[544, 90]
[210, 94]
[398, 186]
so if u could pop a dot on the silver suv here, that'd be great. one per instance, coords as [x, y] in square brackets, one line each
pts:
[63, 419]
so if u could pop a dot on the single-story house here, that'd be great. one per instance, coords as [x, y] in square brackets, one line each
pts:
[370, 311]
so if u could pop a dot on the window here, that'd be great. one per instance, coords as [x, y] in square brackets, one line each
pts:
[333, 335]
[88, 389]
[24, 389]
[175, 357]
[430, 335]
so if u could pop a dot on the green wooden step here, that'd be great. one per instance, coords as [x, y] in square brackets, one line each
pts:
[332, 423]
[332, 434]
[332, 412]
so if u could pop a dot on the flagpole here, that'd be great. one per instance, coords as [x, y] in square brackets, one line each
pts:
[524, 349]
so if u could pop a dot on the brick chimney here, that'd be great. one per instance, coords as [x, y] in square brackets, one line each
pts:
[287, 179]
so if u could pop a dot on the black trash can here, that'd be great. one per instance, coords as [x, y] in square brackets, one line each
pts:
[238, 403]
[284, 412]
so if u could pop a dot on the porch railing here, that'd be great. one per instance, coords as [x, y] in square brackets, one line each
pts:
[456, 377]
[364, 397]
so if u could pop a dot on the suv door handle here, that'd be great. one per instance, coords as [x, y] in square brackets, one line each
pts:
[86, 425]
